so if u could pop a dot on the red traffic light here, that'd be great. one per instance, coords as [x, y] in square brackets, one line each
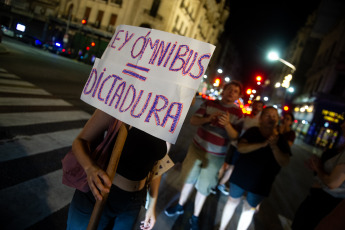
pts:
[83, 21]
[249, 91]
[258, 78]
[93, 44]
[87, 48]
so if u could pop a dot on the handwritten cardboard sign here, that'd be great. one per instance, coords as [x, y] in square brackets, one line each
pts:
[147, 78]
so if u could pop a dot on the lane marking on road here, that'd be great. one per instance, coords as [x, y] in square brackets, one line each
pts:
[11, 101]
[16, 119]
[30, 202]
[6, 82]
[10, 89]
[9, 76]
[24, 146]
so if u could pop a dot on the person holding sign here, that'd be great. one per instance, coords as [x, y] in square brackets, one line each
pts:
[141, 154]
[145, 78]
[219, 122]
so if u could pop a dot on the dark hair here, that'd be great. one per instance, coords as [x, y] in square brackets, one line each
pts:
[267, 108]
[145, 25]
[291, 115]
[258, 101]
[235, 83]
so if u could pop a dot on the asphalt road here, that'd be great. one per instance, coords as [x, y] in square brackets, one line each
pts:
[62, 77]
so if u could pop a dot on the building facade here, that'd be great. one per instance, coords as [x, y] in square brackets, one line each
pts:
[318, 53]
[79, 23]
[319, 109]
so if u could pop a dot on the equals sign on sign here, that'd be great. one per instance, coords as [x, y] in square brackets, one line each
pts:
[134, 74]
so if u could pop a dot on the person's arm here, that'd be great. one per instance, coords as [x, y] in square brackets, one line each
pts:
[198, 120]
[282, 158]
[333, 179]
[93, 129]
[290, 138]
[244, 146]
[224, 120]
[150, 217]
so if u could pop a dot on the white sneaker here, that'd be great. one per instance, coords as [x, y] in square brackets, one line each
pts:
[223, 189]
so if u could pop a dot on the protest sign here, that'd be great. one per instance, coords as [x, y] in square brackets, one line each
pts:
[147, 78]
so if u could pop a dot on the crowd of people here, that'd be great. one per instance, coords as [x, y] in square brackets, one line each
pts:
[236, 154]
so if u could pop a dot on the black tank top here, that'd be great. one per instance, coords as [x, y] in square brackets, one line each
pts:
[140, 152]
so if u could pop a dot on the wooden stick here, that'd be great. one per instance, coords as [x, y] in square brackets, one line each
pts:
[111, 170]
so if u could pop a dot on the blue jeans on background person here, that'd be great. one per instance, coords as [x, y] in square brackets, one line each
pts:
[120, 211]
[252, 198]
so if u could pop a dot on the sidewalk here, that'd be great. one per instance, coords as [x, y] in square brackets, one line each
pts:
[310, 148]
[3, 49]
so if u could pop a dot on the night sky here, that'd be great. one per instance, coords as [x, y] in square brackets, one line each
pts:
[256, 27]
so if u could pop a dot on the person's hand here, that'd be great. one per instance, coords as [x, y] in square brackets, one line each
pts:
[99, 181]
[224, 119]
[150, 220]
[313, 163]
[214, 117]
[273, 139]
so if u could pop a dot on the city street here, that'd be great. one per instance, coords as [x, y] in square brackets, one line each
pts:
[41, 114]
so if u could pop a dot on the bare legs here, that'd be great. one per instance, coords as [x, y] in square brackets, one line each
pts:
[229, 209]
[199, 198]
[198, 203]
[225, 173]
[186, 191]
[246, 216]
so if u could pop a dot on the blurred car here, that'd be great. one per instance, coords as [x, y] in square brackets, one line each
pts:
[6, 31]
[54, 47]
[67, 53]
[32, 40]
[208, 97]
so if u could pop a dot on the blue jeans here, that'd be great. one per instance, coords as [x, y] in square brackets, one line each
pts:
[120, 211]
[252, 198]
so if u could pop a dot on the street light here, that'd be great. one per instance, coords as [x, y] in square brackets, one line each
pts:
[274, 57]
[286, 82]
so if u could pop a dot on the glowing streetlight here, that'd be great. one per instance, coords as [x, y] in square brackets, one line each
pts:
[219, 70]
[291, 89]
[275, 57]
[227, 79]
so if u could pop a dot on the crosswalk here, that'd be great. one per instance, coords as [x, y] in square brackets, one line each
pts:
[36, 131]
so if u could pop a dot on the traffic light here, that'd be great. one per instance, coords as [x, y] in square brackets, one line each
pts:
[258, 79]
[83, 21]
[87, 48]
[249, 91]
[93, 43]
[216, 82]
[286, 108]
